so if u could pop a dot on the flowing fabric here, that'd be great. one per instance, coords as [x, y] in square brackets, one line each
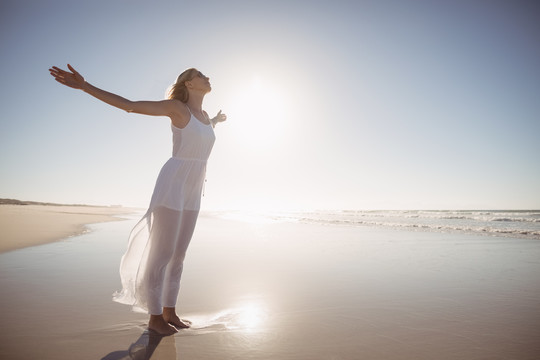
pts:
[152, 266]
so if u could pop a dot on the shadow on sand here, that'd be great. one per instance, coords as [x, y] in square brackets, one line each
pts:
[142, 349]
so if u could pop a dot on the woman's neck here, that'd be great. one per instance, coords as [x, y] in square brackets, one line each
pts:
[195, 101]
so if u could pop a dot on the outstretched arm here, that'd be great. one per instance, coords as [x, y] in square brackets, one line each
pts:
[76, 81]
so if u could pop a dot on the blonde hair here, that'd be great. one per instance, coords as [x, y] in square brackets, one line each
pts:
[178, 90]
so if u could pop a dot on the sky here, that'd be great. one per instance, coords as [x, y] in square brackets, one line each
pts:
[331, 104]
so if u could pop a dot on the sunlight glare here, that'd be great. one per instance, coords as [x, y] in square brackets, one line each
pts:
[260, 114]
[249, 216]
[247, 318]
[250, 317]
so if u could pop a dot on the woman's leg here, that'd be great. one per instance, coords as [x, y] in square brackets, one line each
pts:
[173, 273]
[165, 230]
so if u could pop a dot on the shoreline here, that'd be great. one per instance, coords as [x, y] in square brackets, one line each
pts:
[30, 224]
[257, 290]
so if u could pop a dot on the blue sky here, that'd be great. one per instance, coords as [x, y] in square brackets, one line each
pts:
[331, 105]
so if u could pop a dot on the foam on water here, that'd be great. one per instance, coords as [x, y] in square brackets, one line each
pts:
[509, 223]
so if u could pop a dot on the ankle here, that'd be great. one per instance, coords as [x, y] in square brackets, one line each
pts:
[169, 311]
[154, 318]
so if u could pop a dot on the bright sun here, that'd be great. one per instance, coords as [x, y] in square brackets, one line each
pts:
[260, 113]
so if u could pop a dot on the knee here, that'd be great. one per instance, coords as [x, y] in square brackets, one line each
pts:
[178, 262]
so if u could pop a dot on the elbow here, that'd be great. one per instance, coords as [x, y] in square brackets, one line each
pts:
[129, 106]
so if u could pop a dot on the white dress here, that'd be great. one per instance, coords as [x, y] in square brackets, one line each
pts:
[151, 268]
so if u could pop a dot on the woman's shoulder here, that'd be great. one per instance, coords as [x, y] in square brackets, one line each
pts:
[180, 113]
[177, 107]
[175, 103]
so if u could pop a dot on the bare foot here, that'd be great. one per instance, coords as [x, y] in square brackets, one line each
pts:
[159, 325]
[169, 315]
[179, 323]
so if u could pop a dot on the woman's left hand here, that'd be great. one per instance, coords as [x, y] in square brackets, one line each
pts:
[219, 118]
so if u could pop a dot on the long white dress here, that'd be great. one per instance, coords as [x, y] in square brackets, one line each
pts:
[151, 268]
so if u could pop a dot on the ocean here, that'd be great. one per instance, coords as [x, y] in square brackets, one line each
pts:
[506, 223]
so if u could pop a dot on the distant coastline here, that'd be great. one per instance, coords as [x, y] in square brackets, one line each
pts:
[24, 202]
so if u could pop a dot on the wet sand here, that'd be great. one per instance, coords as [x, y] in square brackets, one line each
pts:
[29, 225]
[264, 290]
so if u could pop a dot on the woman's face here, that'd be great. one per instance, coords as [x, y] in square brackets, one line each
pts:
[200, 82]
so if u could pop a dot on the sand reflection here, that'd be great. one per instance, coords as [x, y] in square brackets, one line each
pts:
[247, 318]
[250, 317]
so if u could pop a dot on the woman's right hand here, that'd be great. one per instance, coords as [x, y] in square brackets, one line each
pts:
[76, 81]
[72, 79]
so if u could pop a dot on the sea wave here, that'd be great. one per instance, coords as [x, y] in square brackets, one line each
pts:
[510, 223]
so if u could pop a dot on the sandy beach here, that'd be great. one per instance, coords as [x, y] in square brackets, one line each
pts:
[258, 289]
[29, 225]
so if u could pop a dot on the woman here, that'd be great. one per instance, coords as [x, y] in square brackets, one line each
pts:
[152, 265]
